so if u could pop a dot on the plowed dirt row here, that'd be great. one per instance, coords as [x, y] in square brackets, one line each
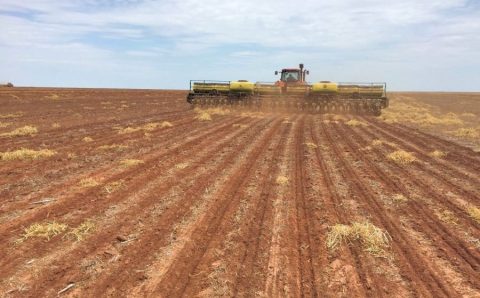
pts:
[149, 200]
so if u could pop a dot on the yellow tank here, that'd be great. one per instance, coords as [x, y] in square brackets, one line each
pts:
[206, 87]
[372, 91]
[303, 89]
[348, 89]
[325, 87]
[267, 88]
[242, 86]
[362, 90]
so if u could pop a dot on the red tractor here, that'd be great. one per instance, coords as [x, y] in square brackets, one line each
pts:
[292, 77]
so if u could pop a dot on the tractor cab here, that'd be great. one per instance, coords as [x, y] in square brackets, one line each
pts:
[292, 76]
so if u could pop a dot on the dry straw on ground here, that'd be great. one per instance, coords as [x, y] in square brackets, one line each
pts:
[26, 154]
[45, 230]
[4, 124]
[148, 127]
[52, 96]
[447, 216]
[258, 115]
[166, 124]
[468, 115]
[79, 233]
[206, 114]
[218, 111]
[373, 239]
[22, 131]
[130, 162]
[88, 182]
[411, 112]
[474, 213]
[87, 139]
[437, 154]
[282, 180]
[113, 147]
[11, 115]
[239, 125]
[339, 117]
[129, 130]
[355, 122]
[181, 166]
[470, 133]
[113, 186]
[399, 198]
[401, 157]
[311, 145]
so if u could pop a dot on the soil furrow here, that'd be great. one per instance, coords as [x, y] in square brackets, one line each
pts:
[469, 253]
[250, 278]
[213, 258]
[456, 153]
[410, 144]
[53, 136]
[230, 202]
[176, 277]
[304, 222]
[275, 264]
[126, 193]
[432, 226]
[196, 190]
[60, 207]
[105, 137]
[424, 180]
[129, 217]
[392, 225]
[52, 190]
[337, 215]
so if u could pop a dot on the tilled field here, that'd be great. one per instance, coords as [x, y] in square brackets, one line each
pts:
[151, 201]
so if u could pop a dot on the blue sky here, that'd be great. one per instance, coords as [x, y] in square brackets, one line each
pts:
[410, 44]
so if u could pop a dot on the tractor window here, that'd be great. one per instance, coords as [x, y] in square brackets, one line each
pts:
[289, 76]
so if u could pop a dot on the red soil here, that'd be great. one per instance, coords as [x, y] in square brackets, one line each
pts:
[204, 213]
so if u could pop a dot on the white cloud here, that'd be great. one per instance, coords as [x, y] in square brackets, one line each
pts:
[344, 23]
[330, 35]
